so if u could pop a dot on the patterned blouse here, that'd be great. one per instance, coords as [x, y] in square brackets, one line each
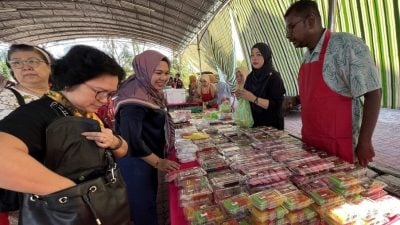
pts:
[8, 101]
[348, 70]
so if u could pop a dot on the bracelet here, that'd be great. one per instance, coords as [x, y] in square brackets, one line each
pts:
[120, 142]
[256, 100]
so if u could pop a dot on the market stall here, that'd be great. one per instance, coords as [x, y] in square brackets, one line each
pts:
[265, 176]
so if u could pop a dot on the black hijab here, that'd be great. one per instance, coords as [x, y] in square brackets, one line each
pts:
[258, 77]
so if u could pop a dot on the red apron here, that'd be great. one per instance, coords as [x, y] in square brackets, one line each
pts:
[326, 115]
[206, 97]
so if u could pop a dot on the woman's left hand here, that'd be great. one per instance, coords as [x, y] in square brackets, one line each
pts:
[103, 139]
[245, 94]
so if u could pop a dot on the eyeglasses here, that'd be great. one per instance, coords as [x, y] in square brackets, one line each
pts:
[101, 95]
[290, 27]
[19, 64]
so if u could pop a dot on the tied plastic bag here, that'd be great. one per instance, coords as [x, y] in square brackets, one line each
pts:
[242, 116]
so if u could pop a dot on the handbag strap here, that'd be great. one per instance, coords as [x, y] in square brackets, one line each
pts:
[20, 99]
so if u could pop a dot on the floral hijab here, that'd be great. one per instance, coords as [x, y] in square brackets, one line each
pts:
[138, 89]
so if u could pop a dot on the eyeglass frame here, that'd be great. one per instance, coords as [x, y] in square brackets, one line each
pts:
[108, 95]
[35, 65]
[290, 28]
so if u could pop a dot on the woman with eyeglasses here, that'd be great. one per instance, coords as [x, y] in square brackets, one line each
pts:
[31, 68]
[82, 81]
[264, 89]
[141, 118]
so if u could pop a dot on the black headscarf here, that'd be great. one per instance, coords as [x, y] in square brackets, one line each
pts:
[258, 77]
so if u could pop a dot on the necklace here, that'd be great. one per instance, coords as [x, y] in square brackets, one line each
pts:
[30, 91]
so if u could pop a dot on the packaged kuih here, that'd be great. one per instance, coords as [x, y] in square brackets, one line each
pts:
[212, 165]
[315, 166]
[188, 173]
[240, 150]
[313, 186]
[268, 214]
[348, 191]
[372, 186]
[225, 178]
[297, 200]
[195, 193]
[343, 214]
[236, 204]
[324, 196]
[249, 163]
[301, 215]
[190, 209]
[282, 221]
[207, 154]
[208, 215]
[206, 146]
[264, 186]
[193, 182]
[342, 180]
[267, 199]
[234, 221]
[286, 188]
[224, 193]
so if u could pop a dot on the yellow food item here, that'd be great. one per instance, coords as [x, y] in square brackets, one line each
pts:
[196, 136]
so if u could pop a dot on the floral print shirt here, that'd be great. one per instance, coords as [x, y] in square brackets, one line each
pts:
[348, 70]
[8, 101]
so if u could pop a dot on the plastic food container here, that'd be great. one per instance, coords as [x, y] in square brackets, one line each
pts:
[236, 204]
[297, 200]
[268, 199]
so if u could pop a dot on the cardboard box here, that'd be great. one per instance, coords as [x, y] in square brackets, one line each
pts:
[175, 96]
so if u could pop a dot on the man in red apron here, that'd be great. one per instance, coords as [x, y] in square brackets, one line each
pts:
[327, 95]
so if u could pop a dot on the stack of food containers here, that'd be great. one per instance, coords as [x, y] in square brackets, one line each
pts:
[266, 207]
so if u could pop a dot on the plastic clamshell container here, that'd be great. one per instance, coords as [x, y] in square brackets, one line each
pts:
[190, 173]
[224, 193]
[282, 221]
[348, 191]
[208, 215]
[192, 182]
[236, 204]
[269, 214]
[233, 221]
[343, 214]
[268, 199]
[372, 186]
[195, 193]
[301, 215]
[342, 180]
[297, 200]
[324, 196]
[225, 178]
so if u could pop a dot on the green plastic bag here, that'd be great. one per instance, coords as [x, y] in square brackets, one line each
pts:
[242, 115]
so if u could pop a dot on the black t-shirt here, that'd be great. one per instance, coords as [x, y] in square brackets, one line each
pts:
[29, 122]
[142, 128]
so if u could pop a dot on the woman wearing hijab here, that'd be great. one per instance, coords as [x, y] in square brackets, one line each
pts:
[264, 89]
[207, 91]
[142, 119]
[241, 74]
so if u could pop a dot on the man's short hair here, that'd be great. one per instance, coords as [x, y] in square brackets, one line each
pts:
[304, 8]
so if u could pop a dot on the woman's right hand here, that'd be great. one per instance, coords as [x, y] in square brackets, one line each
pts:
[167, 165]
